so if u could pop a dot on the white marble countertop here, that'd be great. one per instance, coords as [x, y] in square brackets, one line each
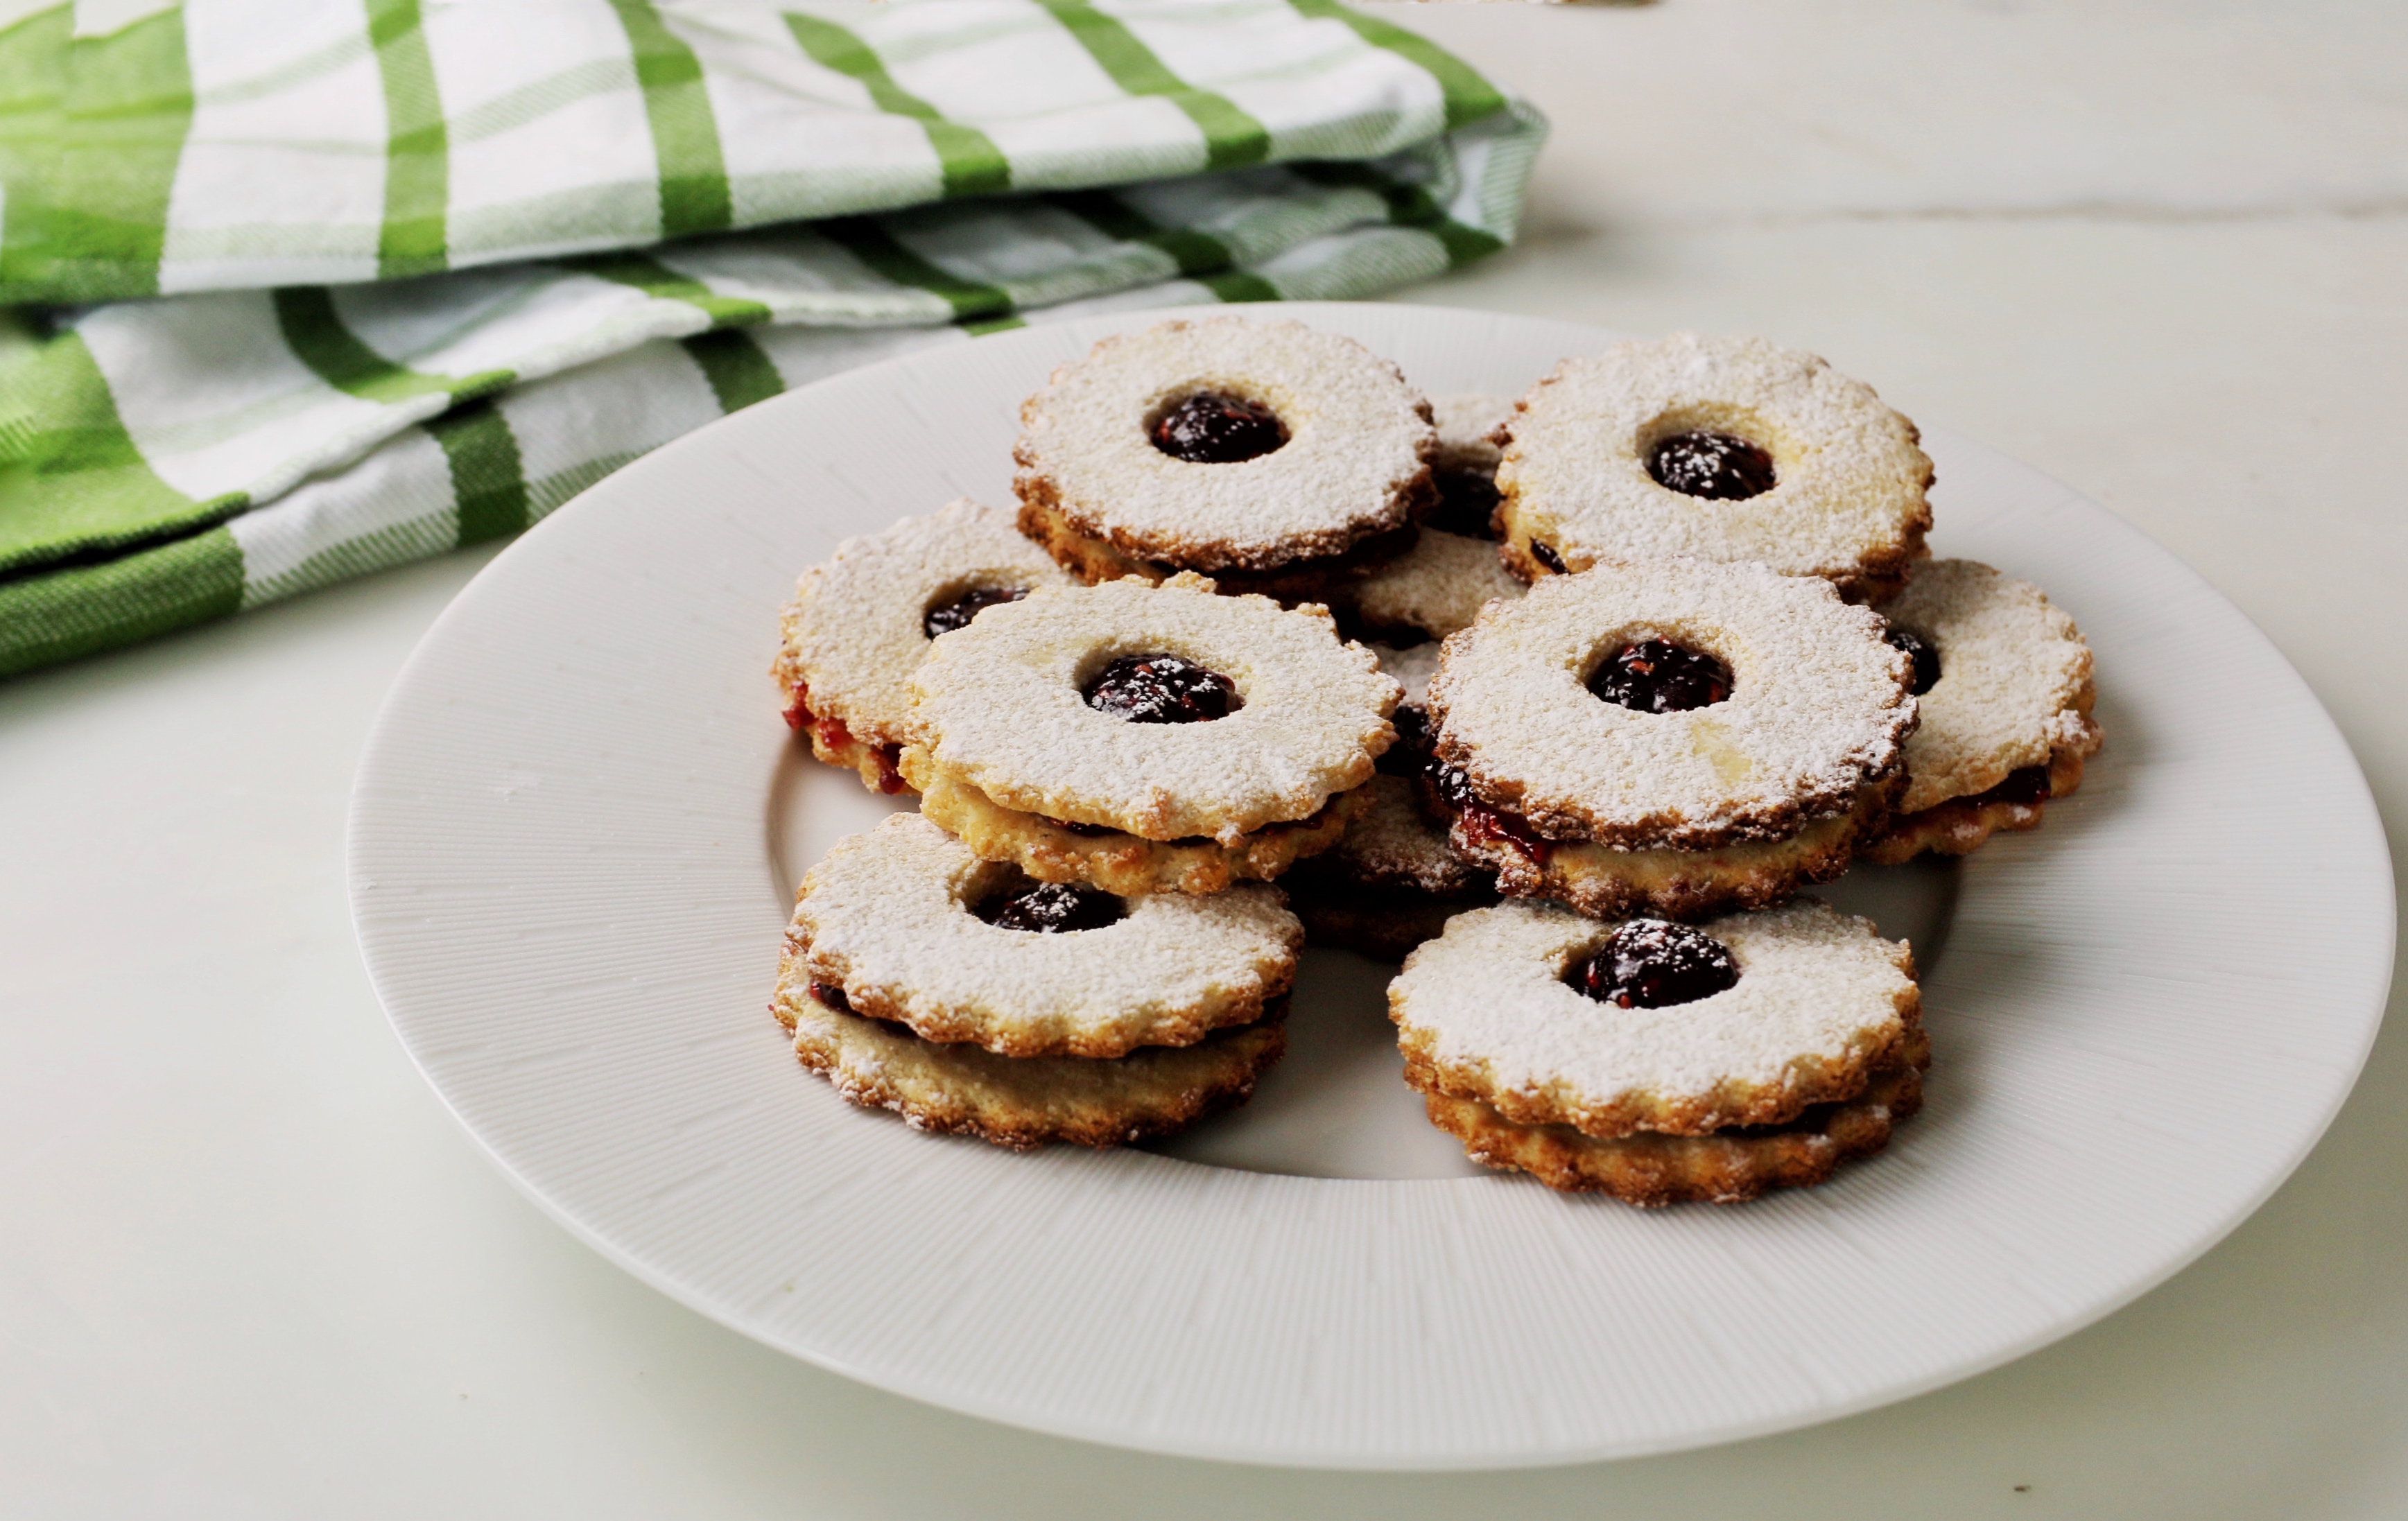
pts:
[248, 1266]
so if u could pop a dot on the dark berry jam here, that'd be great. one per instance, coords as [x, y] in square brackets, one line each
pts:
[961, 610]
[1467, 504]
[1654, 964]
[1661, 677]
[831, 995]
[1926, 658]
[2025, 785]
[1714, 466]
[1089, 831]
[1410, 753]
[1545, 554]
[1161, 689]
[1053, 908]
[1215, 428]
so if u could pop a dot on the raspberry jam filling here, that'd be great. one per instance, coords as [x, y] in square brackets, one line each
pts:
[1714, 466]
[1482, 823]
[1545, 554]
[1409, 756]
[2025, 785]
[1654, 964]
[831, 996]
[1161, 689]
[1658, 675]
[1926, 658]
[1213, 427]
[1053, 908]
[1467, 504]
[837, 739]
[961, 610]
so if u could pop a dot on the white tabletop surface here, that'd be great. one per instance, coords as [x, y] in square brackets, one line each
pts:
[248, 1267]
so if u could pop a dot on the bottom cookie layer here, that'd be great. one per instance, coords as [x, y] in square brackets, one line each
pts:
[1607, 883]
[1727, 1166]
[1111, 859]
[1094, 560]
[1961, 825]
[1025, 1101]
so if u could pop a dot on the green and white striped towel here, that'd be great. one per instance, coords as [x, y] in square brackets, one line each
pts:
[176, 459]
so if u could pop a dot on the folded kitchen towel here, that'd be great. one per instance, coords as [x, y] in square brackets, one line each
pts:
[331, 387]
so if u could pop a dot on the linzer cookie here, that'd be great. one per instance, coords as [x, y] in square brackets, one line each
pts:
[1660, 1062]
[2004, 682]
[1273, 457]
[1023, 1102]
[904, 924]
[859, 624]
[1681, 737]
[1725, 449]
[1147, 738]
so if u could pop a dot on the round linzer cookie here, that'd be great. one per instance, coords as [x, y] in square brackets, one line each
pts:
[1025, 1101]
[859, 624]
[1147, 738]
[1271, 457]
[905, 924]
[2004, 684]
[1727, 449]
[1661, 1062]
[1681, 737]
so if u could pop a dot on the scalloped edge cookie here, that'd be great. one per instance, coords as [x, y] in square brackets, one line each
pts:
[1483, 1012]
[886, 919]
[1355, 463]
[1850, 505]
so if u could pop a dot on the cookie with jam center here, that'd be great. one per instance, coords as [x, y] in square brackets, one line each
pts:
[1273, 457]
[1023, 1101]
[1684, 736]
[905, 924]
[858, 625]
[1146, 738]
[2004, 682]
[1721, 447]
[1527, 1015]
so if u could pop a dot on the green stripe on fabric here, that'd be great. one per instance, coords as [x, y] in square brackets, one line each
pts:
[877, 248]
[1237, 285]
[738, 371]
[1409, 205]
[655, 279]
[126, 108]
[418, 152]
[73, 482]
[65, 613]
[488, 477]
[1232, 138]
[33, 66]
[971, 163]
[694, 196]
[317, 335]
[1198, 253]
[1468, 97]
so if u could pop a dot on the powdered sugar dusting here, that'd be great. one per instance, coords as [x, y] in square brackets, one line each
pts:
[854, 632]
[1489, 997]
[886, 916]
[1355, 462]
[1850, 499]
[1818, 706]
[999, 707]
[1436, 587]
[2015, 683]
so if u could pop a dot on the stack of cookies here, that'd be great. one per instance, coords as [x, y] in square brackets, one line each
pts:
[1559, 701]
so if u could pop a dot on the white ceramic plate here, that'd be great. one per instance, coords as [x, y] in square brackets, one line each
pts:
[578, 824]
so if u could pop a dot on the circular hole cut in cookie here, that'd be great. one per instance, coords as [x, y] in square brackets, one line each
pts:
[1160, 688]
[1217, 427]
[1719, 466]
[1049, 908]
[953, 609]
[1656, 963]
[1660, 676]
